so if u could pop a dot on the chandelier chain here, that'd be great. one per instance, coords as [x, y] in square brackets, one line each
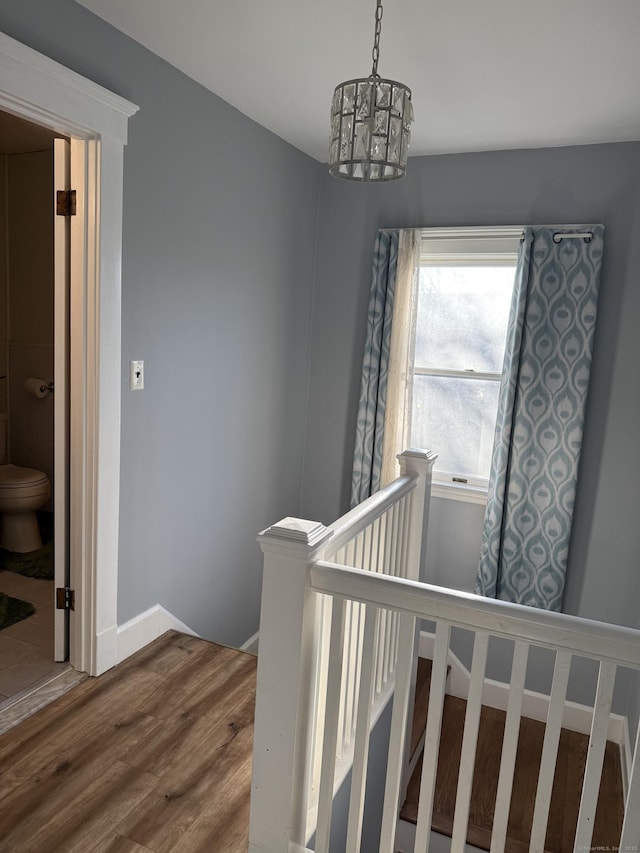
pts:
[375, 53]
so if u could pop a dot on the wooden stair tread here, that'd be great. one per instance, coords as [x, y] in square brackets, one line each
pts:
[565, 800]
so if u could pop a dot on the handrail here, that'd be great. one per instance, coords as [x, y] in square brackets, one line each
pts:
[599, 640]
[356, 520]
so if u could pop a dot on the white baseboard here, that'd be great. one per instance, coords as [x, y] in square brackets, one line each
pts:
[495, 694]
[105, 652]
[145, 628]
[251, 645]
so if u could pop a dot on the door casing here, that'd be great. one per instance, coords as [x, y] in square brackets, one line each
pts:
[40, 90]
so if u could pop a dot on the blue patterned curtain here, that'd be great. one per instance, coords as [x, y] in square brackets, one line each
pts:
[525, 541]
[367, 460]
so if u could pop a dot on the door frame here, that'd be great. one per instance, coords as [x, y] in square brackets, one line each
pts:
[40, 90]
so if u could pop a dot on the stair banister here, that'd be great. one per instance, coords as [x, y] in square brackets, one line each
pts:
[290, 634]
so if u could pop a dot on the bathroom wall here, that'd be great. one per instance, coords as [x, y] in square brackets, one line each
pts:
[30, 306]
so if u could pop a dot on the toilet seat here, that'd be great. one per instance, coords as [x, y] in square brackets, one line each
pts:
[15, 477]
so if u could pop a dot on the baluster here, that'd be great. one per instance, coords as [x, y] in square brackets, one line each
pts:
[361, 747]
[550, 750]
[357, 667]
[331, 726]
[386, 619]
[595, 755]
[630, 838]
[375, 546]
[343, 682]
[319, 696]
[404, 562]
[432, 735]
[349, 554]
[509, 746]
[379, 565]
[355, 659]
[384, 616]
[469, 742]
[393, 616]
[395, 759]
[362, 548]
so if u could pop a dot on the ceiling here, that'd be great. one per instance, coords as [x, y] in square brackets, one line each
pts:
[485, 75]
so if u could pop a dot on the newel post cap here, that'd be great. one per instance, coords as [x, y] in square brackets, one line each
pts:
[294, 534]
[416, 461]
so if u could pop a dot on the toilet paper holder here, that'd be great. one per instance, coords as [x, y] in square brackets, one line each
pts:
[38, 387]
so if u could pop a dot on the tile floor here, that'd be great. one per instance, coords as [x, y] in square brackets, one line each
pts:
[26, 648]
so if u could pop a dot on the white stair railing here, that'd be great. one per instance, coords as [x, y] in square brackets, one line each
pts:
[610, 645]
[338, 634]
[296, 677]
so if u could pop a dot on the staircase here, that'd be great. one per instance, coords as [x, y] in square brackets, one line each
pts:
[341, 607]
[567, 786]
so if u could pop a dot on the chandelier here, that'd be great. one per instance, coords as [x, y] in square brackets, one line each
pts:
[370, 124]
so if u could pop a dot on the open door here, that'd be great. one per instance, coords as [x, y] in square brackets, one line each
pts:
[62, 237]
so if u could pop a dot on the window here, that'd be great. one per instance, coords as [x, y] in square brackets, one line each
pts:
[463, 300]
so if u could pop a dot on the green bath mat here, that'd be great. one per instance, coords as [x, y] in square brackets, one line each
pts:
[13, 610]
[33, 564]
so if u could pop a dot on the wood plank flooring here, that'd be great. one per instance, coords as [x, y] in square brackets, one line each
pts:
[154, 755]
[565, 799]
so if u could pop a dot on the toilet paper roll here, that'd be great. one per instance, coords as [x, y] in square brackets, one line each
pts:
[36, 387]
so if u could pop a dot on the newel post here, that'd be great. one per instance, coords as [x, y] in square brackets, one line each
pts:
[418, 463]
[287, 627]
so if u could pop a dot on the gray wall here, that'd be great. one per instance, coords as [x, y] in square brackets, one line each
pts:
[219, 232]
[597, 183]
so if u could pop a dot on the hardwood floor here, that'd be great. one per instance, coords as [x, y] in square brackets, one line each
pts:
[567, 786]
[155, 755]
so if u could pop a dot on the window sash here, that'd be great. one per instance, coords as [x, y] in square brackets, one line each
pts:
[482, 247]
[466, 373]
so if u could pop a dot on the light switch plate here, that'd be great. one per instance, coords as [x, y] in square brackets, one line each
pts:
[136, 375]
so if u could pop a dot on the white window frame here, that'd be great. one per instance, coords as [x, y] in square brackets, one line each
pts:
[494, 246]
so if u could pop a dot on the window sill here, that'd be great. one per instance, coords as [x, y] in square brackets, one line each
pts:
[459, 492]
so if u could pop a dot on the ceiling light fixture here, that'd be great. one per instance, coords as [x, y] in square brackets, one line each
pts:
[370, 124]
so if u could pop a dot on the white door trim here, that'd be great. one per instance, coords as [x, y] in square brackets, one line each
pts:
[40, 90]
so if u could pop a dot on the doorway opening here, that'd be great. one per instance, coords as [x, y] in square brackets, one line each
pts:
[64, 104]
[32, 644]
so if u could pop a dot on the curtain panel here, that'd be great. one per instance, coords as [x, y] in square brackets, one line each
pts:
[380, 425]
[532, 486]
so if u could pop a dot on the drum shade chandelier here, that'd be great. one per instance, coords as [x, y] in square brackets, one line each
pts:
[370, 124]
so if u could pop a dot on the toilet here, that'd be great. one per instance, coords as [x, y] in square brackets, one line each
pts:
[22, 492]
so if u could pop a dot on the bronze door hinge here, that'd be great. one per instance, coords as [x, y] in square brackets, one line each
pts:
[66, 202]
[65, 598]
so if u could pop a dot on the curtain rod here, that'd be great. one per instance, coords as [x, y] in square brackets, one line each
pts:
[587, 235]
[496, 231]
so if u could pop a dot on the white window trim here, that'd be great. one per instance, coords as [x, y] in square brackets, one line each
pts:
[489, 245]
[462, 492]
